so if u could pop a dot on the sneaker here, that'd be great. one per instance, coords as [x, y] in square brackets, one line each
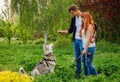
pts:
[77, 76]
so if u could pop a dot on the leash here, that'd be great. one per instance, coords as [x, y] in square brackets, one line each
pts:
[88, 53]
[79, 57]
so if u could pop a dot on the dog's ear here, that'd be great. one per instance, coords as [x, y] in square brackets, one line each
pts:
[52, 45]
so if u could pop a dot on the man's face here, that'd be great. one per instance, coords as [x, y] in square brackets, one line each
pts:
[73, 13]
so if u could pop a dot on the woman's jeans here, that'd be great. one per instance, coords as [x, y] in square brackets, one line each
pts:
[87, 61]
[77, 50]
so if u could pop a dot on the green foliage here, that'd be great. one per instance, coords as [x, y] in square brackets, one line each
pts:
[7, 30]
[106, 61]
[39, 41]
[1, 32]
[99, 78]
[45, 16]
[24, 35]
[62, 40]
[106, 14]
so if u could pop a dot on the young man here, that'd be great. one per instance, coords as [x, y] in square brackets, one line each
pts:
[75, 26]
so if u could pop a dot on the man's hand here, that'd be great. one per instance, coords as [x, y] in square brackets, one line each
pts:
[62, 31]
[59, 31]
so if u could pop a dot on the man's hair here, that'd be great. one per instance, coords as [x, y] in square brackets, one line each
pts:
[73, 8]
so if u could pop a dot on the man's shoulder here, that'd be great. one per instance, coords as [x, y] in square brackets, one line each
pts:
[73, 18]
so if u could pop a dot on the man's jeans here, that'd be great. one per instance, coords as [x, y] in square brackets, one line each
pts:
[87, 61]
[77, 52]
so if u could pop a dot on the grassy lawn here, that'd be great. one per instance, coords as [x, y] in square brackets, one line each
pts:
[106, 61]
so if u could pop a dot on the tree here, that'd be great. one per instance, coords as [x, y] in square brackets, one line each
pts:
[27, 11]
[8, 29]
[43, 16]
[109, 12]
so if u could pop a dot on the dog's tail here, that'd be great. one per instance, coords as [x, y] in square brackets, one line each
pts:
[22, 71]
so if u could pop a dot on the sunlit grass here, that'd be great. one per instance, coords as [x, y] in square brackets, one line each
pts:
[106, 61]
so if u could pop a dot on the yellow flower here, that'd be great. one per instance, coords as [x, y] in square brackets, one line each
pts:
[8, 76]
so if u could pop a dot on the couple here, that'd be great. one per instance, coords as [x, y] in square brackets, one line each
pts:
[82, 27]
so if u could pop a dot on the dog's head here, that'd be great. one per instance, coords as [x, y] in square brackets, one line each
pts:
[48, 48]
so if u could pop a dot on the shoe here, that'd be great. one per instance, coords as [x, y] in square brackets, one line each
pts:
[77, 76]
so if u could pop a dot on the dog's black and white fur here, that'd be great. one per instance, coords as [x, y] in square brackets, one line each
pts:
[47, 65]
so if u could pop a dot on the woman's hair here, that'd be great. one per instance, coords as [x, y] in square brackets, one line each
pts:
[73, 8]
[86, 20]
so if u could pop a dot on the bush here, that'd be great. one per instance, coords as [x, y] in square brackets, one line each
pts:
[61, 42]
[8, 76]
[39, 41]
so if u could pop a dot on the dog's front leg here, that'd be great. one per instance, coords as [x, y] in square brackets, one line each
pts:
[52, 71]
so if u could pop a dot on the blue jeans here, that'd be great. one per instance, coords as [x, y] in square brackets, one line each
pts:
[87, 61]
[77, 50]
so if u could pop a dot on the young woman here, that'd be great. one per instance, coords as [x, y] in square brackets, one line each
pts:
[87, 33]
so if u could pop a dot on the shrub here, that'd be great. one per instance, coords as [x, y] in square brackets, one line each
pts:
[8, 76]
[61, 42]
[39, 41]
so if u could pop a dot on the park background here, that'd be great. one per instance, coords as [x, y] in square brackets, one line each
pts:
[25, 25]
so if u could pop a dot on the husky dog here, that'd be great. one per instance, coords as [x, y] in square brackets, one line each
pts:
[47, 65]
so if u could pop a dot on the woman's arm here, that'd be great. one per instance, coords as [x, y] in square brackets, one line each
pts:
[90, 32]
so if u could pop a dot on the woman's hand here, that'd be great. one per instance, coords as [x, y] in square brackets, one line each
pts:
[84, 52]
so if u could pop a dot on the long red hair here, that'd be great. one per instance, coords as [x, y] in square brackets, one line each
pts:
[86, 21]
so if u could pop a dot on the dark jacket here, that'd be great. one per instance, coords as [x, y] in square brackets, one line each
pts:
[72, 28]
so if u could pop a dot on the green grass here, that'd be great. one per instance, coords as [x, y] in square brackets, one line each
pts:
[106, 61]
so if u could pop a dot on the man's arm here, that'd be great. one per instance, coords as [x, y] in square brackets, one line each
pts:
[70, 30]
[62, 31]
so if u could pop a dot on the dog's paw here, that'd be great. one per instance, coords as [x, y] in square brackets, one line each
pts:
[52, 71]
